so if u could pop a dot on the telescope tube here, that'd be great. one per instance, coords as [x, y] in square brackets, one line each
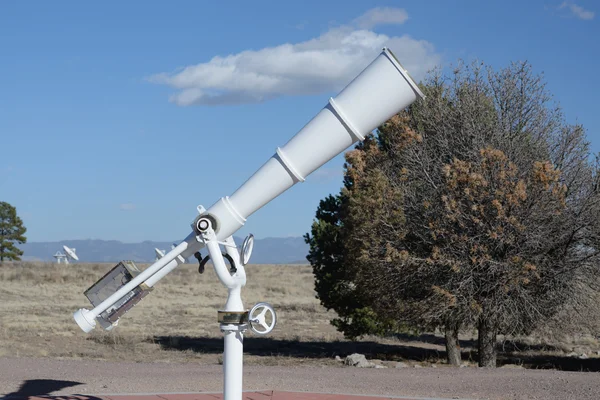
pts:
[375, 95]
[381, 90]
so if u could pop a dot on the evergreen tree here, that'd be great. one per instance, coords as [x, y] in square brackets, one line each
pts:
[11, 231]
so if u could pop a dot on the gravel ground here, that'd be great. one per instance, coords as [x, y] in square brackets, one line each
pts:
[100, 377]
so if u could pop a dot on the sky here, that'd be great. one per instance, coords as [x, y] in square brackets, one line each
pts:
[118, 118]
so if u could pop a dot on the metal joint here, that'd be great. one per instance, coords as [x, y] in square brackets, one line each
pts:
[339, 113]
[289, 166]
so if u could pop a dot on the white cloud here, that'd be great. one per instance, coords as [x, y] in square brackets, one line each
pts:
[578, 11]
[127, 206]
[381, 16]
[325, 63]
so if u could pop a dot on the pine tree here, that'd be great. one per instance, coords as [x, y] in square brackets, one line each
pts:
[11, 231]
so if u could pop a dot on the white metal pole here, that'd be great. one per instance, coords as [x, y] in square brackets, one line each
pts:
[233, 361]
[233, 334]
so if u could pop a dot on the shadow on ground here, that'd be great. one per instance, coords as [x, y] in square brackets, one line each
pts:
[44, 387]
[544, 361]
[259, 346]
[504, 346]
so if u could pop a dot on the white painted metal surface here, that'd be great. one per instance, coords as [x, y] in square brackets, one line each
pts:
[379, 92]
[233, 361]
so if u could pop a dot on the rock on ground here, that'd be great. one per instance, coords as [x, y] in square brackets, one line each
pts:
[358, 360]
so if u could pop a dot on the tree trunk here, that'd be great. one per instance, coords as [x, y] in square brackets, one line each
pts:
[487, 343]
[452, 346]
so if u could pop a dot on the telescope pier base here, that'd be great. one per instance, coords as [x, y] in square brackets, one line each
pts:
[233, 361]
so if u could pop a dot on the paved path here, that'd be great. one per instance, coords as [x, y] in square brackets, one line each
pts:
[23, 377]
[260, 395]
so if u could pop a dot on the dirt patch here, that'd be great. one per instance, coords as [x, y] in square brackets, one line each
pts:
[104, 377]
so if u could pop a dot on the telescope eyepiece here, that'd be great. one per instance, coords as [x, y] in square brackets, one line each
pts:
[203, 224]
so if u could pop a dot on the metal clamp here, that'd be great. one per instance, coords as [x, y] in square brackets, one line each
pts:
[233, 317]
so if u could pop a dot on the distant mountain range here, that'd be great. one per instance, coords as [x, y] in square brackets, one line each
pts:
[290, 250]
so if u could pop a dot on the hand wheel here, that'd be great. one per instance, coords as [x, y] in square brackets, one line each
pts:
[262, 318]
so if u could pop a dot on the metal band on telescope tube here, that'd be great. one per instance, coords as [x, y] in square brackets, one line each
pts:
[289, 166]
[337, 111]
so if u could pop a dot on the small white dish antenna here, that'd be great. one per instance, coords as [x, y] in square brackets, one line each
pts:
[247, 248]
[159, 253]
[70, 253]
[61, 258]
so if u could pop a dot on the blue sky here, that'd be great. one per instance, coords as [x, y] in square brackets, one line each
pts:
[118, 118]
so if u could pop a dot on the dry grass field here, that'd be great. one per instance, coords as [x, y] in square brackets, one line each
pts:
[177, 323]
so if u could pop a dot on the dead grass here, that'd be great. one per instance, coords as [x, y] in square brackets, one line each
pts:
[37, 301]
[177, 322]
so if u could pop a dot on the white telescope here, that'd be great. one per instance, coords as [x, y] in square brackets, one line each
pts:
[381, 90]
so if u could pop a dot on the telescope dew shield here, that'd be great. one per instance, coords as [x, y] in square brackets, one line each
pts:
[379, 92]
